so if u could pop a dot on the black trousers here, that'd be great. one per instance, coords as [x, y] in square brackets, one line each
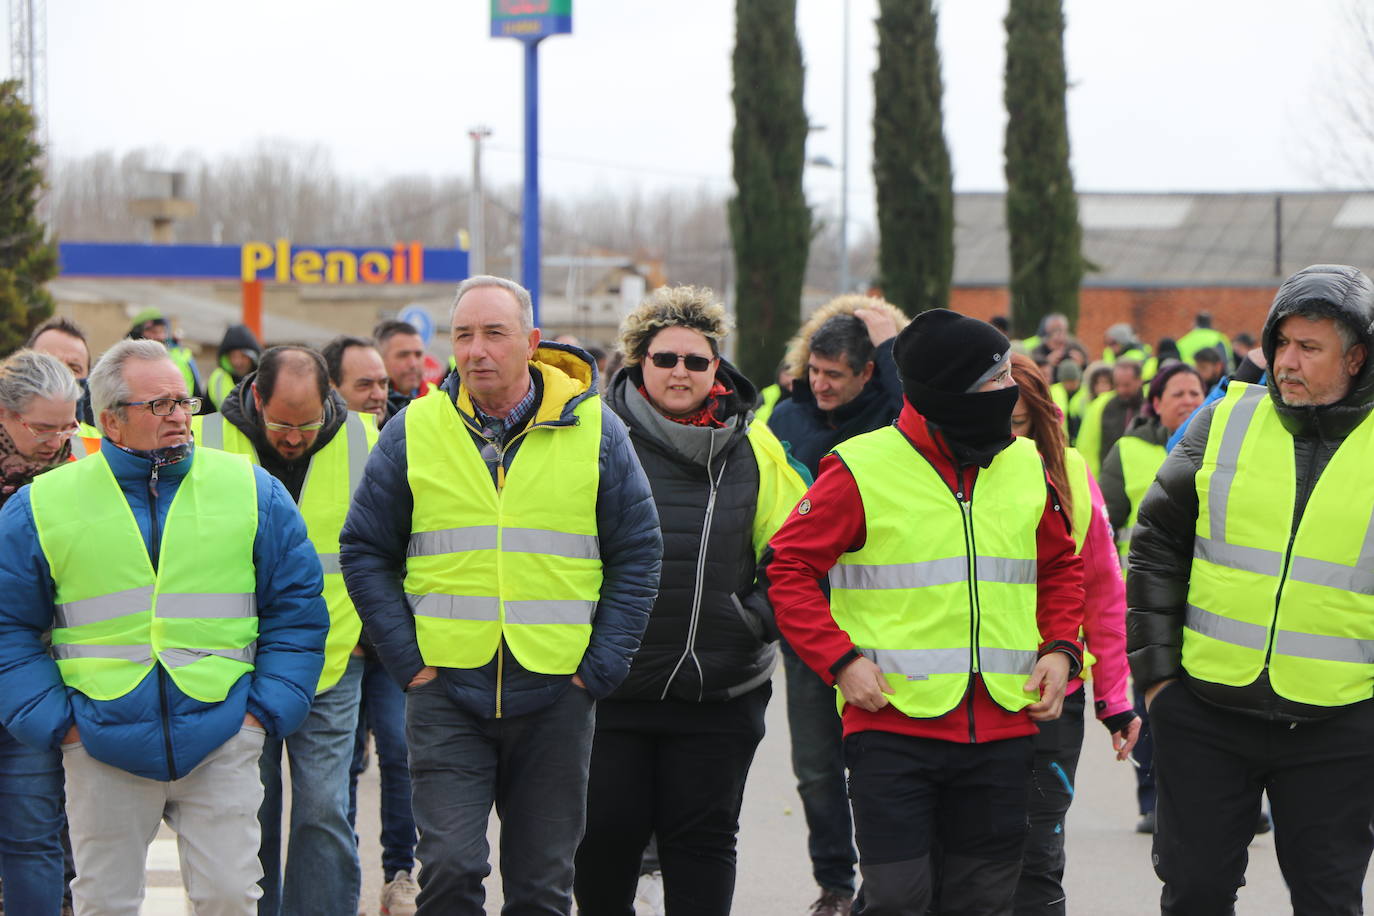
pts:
[1211, 767]
[1041, 886]
[675, 770]
[937, 822]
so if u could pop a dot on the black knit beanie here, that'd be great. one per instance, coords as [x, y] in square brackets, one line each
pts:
[944, 358]
[949, 352]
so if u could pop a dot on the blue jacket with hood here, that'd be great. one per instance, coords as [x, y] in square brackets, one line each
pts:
[377, 533]
[155, 730]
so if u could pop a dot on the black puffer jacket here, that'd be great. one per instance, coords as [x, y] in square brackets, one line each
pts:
[709, 633]
[1162, 549]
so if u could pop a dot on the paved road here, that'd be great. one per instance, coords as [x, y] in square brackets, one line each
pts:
[1109, 868]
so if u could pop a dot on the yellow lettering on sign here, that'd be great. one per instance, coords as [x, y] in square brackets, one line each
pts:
[305, 266]
[374, 267]
[253, 257]
[283, 260]
[340, 267]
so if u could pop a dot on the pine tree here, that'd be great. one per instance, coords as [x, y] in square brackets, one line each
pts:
[1042, 208]
[911, 167]
[770, 223]
[27, 258]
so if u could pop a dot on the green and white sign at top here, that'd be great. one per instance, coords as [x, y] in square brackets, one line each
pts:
[530, 19]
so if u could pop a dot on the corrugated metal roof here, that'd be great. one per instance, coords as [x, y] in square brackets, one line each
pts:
[1183, 239]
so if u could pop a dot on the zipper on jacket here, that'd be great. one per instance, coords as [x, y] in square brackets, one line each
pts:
[153, 553]
[689, 650]
[966, 514]
[500, 665]
[1288, 558]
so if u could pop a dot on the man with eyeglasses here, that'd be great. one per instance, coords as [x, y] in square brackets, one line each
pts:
[181, 598]
[287, 418]
[503, 552]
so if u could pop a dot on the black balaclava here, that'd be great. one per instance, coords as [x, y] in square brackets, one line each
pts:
[943, 358]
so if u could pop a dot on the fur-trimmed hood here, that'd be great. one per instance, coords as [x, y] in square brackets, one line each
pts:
[799, 347]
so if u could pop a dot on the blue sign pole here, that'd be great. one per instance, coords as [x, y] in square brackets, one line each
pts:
[529, 233]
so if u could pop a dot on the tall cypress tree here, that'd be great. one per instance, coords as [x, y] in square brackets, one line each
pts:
[911, 167]
[27, 258]
[1042, 208]
[770, 223]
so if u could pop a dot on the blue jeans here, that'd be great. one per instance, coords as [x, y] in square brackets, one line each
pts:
[30, 828]
[818, 762]
[322, 875]
[383, 711]
[532, 767]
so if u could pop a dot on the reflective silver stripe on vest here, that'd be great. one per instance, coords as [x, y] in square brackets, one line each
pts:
[551, 543]
[1324, 648]
[1332, 575]
[212, 431]
[451, 540]
[1228, 458]
[1286, 642]
[1235, 632]
[478, 608]
[228, 606]
[1006, 661]
[945, 571]
[180, 658]
[139, 655]
[1236, 556]
[539, 612]
[329, 562]
[920, 664]
[357, 450]
[104, 607]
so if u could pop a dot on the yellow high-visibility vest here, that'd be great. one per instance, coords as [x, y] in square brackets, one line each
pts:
[944, 585]
[1304, 610]
[335, 472]
[519, 563]
[195, 615]
[1140, 461]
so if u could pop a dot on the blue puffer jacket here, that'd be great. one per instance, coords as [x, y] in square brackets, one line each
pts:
[155, 730]
[373, 556]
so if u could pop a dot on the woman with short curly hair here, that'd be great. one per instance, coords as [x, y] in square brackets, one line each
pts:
[674, 744]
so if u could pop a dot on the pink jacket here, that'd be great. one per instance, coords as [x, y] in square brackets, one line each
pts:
[1104, 613]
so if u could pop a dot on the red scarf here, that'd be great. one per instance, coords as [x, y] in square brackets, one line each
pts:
[705, 415]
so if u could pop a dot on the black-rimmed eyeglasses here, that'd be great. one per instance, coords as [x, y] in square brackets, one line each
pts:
[163, 407]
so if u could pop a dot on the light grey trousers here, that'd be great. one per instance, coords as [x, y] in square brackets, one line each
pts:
[114, 815]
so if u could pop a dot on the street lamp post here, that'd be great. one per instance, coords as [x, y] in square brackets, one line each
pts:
[477, 225]
[844, 158]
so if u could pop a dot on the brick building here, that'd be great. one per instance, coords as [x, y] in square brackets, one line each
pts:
[1162, 258]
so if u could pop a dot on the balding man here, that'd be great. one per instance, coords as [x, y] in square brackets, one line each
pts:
[162, 617]
[503, 552]
[286, 418]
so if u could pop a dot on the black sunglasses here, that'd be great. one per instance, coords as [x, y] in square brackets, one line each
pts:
[666, 360]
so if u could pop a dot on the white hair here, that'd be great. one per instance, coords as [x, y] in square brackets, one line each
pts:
[108, 385]
[520, 294]
[28, 374]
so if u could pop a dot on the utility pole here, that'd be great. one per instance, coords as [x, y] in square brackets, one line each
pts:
[29, 57]
[477, 226]
[844, 160]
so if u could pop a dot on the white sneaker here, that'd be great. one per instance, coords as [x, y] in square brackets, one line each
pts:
[398, 895]
[649, 895]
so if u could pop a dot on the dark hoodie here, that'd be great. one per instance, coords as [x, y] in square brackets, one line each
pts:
[1162, 548]
[706, 638]
[237, 337]
[240, 410]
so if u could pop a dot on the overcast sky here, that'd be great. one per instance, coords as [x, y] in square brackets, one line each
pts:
[1167, 95]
